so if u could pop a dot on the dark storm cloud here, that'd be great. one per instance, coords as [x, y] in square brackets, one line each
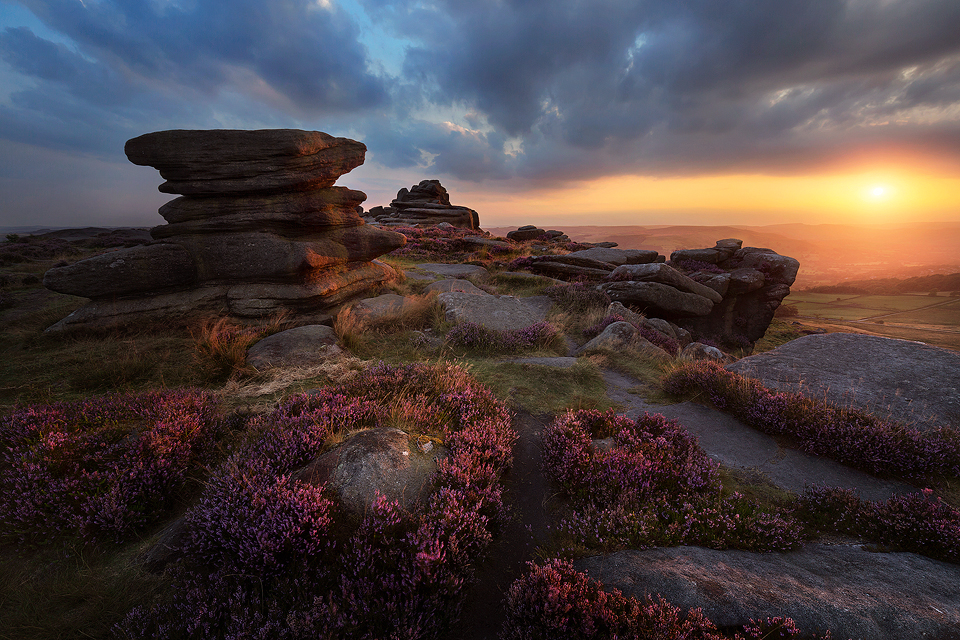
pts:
[679, 85]
[138, 66]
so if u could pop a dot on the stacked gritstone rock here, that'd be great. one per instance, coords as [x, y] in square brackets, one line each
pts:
[727, 293]
[425, 205]
[259, 229]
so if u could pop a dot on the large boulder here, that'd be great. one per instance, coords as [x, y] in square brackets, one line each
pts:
[382, 461]
[896, 379]
[664, 274]
[621, 336]
[260, 230]
[842, 588]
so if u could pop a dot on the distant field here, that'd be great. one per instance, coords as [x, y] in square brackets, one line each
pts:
[914, 310]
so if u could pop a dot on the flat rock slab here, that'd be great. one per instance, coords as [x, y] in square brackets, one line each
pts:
[454, 284]
[453, 270]
[734, 444]
[845, 589]
[895, 379]
[300, 347]
[383, 307]
[503, 313]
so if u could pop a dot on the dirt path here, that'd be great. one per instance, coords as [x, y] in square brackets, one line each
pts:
[527, 490]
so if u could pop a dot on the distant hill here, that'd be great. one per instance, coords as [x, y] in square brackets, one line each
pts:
[828, 253]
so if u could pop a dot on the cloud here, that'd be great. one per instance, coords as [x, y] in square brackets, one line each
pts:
[514, 92]
[593, 87]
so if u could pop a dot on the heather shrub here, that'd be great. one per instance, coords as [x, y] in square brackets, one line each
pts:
[480, 339]
[665, 342]
[437, 244]
[553, 600]
[847, 435]
[691, 267]
[105, 467]
[654, 487]
[915, 522]
[278, 555]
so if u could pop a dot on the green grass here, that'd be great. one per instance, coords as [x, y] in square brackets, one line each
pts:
[541, 389]
[778, 333]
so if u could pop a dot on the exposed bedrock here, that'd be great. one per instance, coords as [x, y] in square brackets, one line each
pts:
[260, 229]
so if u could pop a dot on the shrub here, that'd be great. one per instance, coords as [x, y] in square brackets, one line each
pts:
[553, 600]
[847, 435]
[655, 487]
[476, 337]
[104, 467]
[914, 522]
[270, 554]
[434, 243]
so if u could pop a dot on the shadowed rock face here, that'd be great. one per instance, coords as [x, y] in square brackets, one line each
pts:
[259, 229]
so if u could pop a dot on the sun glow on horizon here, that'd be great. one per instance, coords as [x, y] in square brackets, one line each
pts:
[849, 197]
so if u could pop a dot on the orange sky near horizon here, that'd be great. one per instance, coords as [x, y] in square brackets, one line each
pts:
[856, 197]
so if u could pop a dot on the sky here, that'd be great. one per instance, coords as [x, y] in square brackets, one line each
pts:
[544, 112]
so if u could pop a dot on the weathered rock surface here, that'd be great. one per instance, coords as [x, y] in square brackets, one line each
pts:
[896, 379]
[754, 283]
[503, 313]
[426, 204]
[844, 589]
[655, 298]
[375, 461]
[260, 229]
[619, 336]
[298, 347]
[592, 263]
[532, 232]
[664, 274]
[220, 161]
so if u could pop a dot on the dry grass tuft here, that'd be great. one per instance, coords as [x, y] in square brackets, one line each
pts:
[220, 346]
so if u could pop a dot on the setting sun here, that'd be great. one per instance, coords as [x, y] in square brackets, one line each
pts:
[879, 192]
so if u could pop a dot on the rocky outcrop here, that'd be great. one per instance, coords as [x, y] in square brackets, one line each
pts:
[727, 294]
[905, 381]
[593, 263]
[845, 589]
[533, 232]
[424, 205]
[260, 229]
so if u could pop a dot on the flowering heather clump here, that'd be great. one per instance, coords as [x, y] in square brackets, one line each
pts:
[523, 263]
[433, 243]
[655, 487]
[665, 342]
[265, 551]
[914, 522]
[554, 600]
[577, 298]
[849, 436]
[104, 467]
[476, 337]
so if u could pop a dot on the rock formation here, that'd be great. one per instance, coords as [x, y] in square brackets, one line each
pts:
[426, 204]
[260, 229]
[727, 293]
